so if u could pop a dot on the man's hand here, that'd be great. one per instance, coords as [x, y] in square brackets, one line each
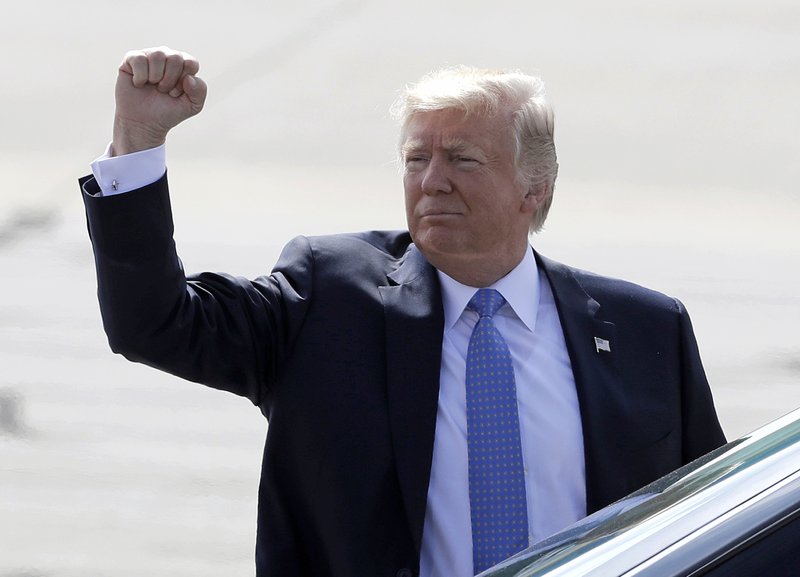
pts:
[157, 89]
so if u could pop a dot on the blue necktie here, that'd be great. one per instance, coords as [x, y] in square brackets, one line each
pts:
[496, 477]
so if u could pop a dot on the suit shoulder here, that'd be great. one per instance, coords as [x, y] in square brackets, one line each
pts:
[350, 255]
[608, 290]
[392, 244]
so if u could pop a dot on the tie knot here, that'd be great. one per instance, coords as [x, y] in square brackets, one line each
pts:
[486, 302]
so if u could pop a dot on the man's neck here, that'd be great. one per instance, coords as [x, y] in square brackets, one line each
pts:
[478, 272]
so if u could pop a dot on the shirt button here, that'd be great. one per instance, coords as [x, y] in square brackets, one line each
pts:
[405, 573]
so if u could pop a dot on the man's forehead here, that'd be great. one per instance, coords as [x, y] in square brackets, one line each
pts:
[453, 130]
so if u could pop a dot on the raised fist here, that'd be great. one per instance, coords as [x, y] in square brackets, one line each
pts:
[157, 89]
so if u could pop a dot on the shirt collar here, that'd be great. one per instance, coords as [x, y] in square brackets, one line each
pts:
[520, 288]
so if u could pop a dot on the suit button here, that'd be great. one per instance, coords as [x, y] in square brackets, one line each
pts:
[405, 573]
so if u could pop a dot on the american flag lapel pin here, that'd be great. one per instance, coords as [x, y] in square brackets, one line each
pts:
[602, 345]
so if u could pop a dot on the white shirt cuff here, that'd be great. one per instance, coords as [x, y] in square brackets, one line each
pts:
[118, 174]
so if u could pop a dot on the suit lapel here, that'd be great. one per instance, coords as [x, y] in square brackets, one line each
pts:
[414, 325]
[596, 374]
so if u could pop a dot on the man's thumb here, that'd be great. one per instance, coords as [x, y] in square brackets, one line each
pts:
[195, 90]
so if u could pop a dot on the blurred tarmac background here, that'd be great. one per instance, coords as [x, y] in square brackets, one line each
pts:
[677, 132]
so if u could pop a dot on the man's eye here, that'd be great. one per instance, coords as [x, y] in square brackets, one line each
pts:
[466, 160]
[414, 159]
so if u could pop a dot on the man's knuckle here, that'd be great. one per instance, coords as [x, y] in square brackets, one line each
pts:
[173, 59]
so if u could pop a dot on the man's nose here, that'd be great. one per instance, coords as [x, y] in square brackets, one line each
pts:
[436, 179]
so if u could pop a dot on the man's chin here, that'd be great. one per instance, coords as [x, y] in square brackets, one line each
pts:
[442, 251]
[437, 240]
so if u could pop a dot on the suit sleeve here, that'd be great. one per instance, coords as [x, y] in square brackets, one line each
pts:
[223, 331]
[702, 432]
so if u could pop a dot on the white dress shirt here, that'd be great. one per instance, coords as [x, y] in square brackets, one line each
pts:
[550, 423]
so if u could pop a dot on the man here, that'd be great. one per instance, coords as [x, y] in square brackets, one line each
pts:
[399, 396]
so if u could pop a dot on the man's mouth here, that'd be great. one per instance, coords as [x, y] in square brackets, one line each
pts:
[439, 213]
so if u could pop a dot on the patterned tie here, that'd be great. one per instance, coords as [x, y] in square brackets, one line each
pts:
[496, 478]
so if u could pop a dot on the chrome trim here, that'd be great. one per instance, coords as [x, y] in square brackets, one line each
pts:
[713, 541]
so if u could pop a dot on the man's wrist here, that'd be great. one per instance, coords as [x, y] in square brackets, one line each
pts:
[131, 136]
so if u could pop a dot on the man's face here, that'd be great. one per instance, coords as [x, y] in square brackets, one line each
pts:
[463, 203]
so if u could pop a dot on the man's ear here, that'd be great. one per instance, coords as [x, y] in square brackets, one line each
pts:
[534, 197]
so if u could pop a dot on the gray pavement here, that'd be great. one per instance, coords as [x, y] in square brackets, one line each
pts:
[677, 135]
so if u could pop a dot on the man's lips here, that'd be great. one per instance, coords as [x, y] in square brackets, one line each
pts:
[438, 213]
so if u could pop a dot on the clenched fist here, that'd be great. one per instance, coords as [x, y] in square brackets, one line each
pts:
[157, 89]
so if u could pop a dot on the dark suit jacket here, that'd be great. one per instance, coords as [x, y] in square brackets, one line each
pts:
[340, 348]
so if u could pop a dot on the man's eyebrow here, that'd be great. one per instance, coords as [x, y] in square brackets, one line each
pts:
[456, 144]
[412, 144]
[452, 145]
